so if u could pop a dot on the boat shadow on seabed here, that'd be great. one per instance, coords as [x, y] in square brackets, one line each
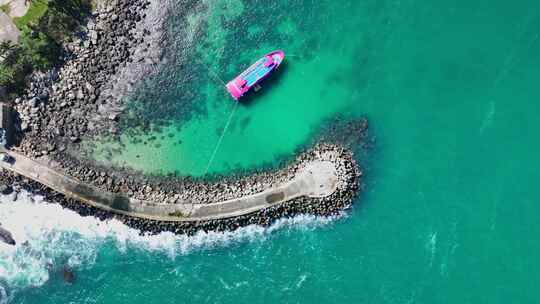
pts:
[266, 85]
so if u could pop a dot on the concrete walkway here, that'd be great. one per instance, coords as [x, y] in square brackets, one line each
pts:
[8, 30]
[317, 179]
[16, 8]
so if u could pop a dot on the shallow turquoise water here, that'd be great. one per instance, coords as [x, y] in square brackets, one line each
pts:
[312, 86]
[450, 211]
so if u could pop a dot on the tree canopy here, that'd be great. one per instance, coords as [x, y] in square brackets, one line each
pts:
[40, 44]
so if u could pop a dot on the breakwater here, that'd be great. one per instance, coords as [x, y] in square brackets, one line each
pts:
[327, 184]
[83, 99]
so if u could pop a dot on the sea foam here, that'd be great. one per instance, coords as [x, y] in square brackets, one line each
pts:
[50, 237]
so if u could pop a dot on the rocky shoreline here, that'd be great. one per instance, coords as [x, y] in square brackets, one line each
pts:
[84, 99]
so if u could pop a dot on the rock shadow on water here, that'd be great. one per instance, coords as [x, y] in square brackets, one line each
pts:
[68, 275]
[244, 122]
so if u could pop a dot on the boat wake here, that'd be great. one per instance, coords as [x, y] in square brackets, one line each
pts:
[50, 238]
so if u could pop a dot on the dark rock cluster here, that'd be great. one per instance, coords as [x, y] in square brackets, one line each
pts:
[6, 237]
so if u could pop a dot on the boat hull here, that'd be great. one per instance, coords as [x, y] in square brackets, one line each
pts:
[253, 75]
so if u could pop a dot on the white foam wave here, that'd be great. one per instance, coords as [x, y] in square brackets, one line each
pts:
[49, 236]
[431, 246]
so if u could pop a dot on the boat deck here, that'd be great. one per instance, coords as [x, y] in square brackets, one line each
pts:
[258, 71]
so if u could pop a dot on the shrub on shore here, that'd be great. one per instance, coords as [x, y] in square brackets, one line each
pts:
[40, 45]
[14, 66]
[5, 8]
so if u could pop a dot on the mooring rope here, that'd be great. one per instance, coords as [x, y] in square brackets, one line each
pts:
[212, 72]
[221, 138]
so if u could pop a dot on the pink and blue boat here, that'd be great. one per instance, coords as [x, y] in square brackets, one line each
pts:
[250, 78]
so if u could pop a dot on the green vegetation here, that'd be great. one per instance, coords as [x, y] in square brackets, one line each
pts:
[47, 24]
[5, 8]
[177, 213]
[35, 11]
[64, 17]
[36, 51]
[16, 64]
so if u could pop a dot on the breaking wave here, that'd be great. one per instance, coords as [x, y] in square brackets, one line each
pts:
[50, 237]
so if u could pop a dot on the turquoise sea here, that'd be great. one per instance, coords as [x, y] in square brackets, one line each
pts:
[450, 209]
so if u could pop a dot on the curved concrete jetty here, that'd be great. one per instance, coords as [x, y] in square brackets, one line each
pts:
[318, 178]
